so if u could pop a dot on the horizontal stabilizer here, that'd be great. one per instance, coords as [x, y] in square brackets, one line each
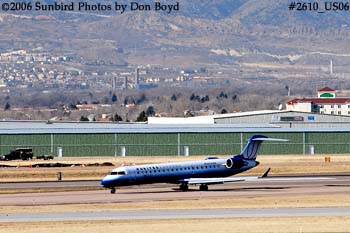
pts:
[250, 151]
[271, 139]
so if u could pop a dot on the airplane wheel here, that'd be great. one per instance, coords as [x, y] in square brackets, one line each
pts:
[184, 187]
[203, 187]
[112, 190]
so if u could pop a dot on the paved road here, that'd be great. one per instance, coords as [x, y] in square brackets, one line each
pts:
[49, 184]
[173, 214]
[264, 187]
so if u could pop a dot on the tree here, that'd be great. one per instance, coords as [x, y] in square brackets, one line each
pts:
[72, 106]
[234, 98]
[117, 117]
[84, 118]
[173, 97]
[222, 95]
[7, 106]
[114, 98]
[192, 97]
[142, 117]
[141, 99]
[150, 111]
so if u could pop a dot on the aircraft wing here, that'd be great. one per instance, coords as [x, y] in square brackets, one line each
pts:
[221, 180]
[218, 180]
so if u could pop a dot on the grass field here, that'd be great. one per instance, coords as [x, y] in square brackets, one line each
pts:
[249, 225]
[280, 164]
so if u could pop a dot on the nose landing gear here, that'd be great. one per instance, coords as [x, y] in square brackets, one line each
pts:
[112, 190]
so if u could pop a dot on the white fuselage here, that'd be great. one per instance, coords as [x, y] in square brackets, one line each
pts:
[172, 172]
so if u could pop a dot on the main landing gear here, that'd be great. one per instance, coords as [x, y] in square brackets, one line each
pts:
[112, 190]
[183, 187]
[203, 187]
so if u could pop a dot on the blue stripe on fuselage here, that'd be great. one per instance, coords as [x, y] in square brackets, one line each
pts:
[173, 172]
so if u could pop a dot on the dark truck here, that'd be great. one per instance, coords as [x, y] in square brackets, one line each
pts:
[24, 154]
[18, 153]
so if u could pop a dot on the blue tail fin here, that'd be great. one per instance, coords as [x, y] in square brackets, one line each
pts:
[251, 150]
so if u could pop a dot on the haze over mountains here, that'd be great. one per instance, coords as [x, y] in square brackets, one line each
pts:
[202, 33]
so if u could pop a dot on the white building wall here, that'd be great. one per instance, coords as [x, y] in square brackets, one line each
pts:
[336, 109]
[300, 107]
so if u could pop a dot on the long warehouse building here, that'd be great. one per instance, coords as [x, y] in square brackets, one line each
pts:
[112, 139]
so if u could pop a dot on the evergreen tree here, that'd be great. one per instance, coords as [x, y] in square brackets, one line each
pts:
[150, 111]
[117, 117]
[7, 106]
[142, 117]
[223, 111]
[173, 97]
[84, 118]
[114, 98]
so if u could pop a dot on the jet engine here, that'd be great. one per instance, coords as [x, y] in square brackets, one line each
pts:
[234, 163]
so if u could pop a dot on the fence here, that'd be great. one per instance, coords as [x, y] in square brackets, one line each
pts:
[154, 144]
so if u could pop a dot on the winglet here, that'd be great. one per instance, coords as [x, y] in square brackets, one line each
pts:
[266, 173]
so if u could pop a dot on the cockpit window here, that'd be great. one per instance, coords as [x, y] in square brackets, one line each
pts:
[118, 173]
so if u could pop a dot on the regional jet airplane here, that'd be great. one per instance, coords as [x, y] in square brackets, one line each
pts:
[202, 172]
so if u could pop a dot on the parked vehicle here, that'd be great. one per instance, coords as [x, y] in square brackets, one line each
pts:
[18, 153]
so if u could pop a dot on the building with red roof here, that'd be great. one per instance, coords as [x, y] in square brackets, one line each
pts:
[326, 103]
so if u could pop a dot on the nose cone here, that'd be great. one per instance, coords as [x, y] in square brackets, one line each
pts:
[106, 182]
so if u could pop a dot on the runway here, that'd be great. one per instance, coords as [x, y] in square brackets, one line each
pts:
[173, 214]
[273, 186]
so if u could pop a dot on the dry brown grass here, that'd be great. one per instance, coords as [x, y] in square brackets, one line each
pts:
[249, 225]
[280, 164]
[322, 200]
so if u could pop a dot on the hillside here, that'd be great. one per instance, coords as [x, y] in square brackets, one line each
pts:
[202, 32]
